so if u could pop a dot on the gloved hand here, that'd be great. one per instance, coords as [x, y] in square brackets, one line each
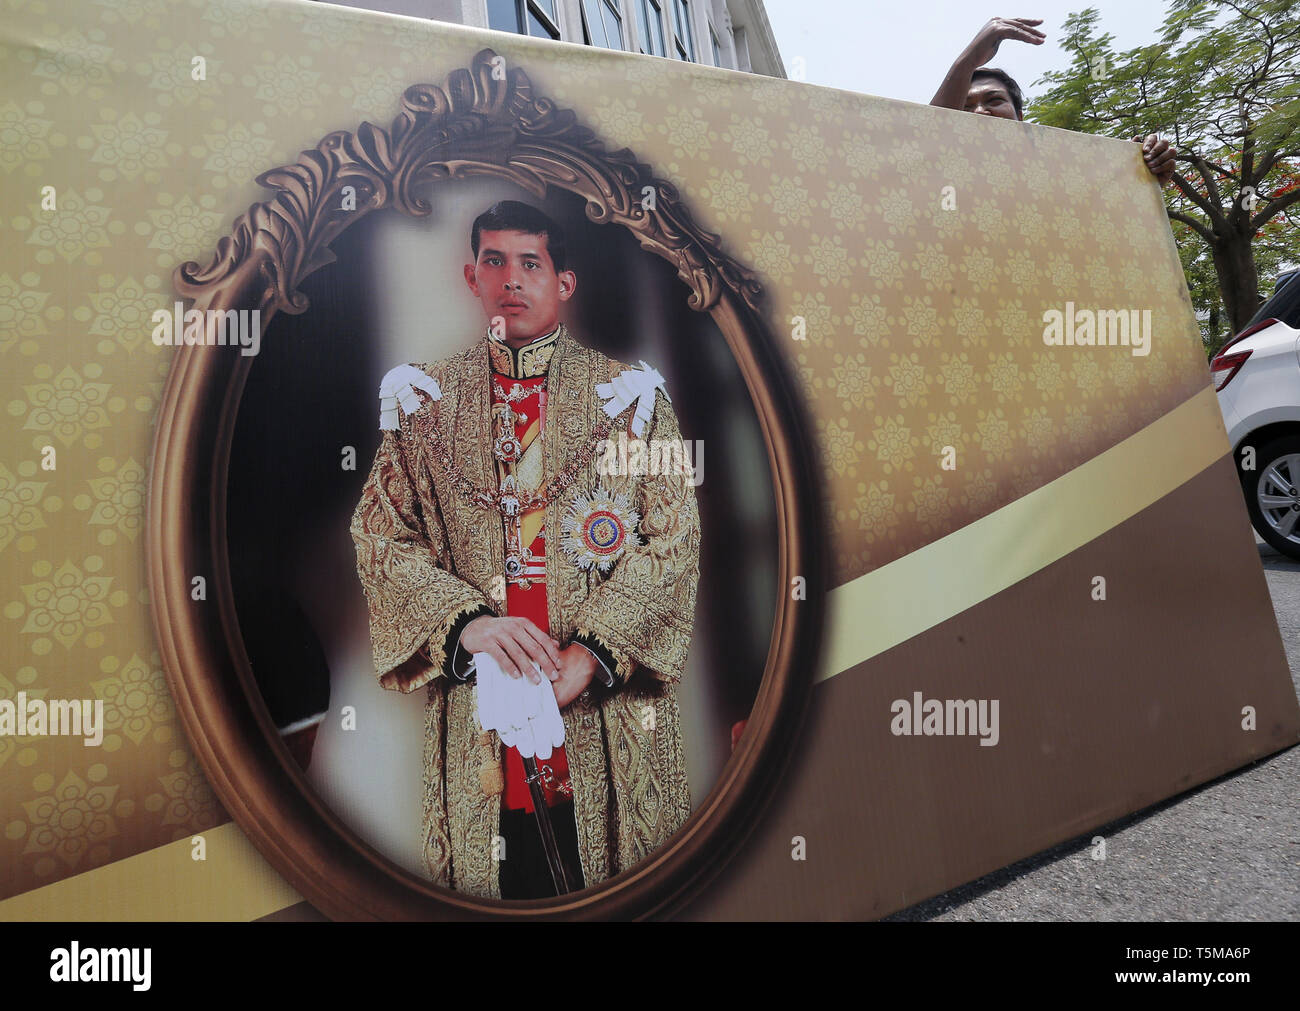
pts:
[525, 715]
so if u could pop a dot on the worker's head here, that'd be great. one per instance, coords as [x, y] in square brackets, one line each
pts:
[994, 92]
[518, 273]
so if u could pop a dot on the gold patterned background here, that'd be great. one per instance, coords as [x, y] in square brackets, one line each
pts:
[923, 325]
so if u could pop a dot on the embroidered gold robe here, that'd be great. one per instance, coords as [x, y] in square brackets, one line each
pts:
[426, 556]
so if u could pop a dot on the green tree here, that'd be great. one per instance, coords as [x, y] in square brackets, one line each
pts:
[1222, 84]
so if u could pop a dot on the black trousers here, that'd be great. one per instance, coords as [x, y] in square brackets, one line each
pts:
[524, 873]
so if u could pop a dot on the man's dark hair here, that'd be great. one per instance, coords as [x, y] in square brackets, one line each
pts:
[1008, 82]
[515, 216]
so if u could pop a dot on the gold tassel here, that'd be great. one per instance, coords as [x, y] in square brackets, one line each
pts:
[491, 776]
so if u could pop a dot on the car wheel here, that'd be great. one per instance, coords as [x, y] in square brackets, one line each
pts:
[1273, 494]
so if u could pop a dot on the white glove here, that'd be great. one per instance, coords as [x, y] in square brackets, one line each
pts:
[525, 715]
[398, 388]
[633, 386]
[548, 729]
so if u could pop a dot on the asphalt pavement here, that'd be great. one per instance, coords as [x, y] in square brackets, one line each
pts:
[1227, 850]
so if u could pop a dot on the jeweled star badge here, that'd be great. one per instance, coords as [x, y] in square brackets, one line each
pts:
[507, 448]
[598, 528]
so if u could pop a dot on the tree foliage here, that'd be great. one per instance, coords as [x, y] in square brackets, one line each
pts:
[1221, 83]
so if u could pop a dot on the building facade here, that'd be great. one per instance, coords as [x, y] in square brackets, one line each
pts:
[734, 34]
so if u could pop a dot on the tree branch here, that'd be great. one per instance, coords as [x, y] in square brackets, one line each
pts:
[1185, 186]
[1193, 224]
[1275, 207]
[1213, 206]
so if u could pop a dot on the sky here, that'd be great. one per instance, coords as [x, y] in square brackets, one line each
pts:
[903, 49]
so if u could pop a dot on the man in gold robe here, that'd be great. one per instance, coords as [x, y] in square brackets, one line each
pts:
[499, 520]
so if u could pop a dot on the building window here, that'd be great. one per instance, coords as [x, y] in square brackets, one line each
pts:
[652, 28]
[601, 24]
[527, 17]
[683, 34]
[717, 48]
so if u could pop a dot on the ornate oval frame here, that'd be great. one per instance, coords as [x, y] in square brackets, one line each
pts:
[480, 122]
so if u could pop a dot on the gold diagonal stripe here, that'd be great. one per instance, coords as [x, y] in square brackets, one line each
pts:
[875, 612]
[233, 883]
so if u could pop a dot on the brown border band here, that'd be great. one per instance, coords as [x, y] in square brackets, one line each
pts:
[1107, 707]
[480, 122]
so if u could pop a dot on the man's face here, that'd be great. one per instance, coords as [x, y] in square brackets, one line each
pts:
[989, 97]
[516, 281]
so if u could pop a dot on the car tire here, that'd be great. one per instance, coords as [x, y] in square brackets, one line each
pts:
[1269, 494]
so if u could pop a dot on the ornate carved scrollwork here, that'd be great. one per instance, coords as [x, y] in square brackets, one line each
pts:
[480, 122]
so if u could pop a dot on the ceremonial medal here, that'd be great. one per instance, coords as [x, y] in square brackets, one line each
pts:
[506, 448]
[597, 529]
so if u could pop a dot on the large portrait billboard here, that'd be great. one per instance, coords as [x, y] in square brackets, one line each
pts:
[501, 477]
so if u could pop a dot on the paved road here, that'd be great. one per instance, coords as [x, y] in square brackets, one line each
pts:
[1229, 850]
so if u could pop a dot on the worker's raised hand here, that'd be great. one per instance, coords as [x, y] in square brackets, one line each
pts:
[516, 644]
[1159, 156]
[985, 44]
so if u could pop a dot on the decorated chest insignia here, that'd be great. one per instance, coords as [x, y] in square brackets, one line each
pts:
[507, 448]
[597, 529]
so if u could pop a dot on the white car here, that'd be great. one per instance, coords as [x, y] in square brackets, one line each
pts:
[1257, 378]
